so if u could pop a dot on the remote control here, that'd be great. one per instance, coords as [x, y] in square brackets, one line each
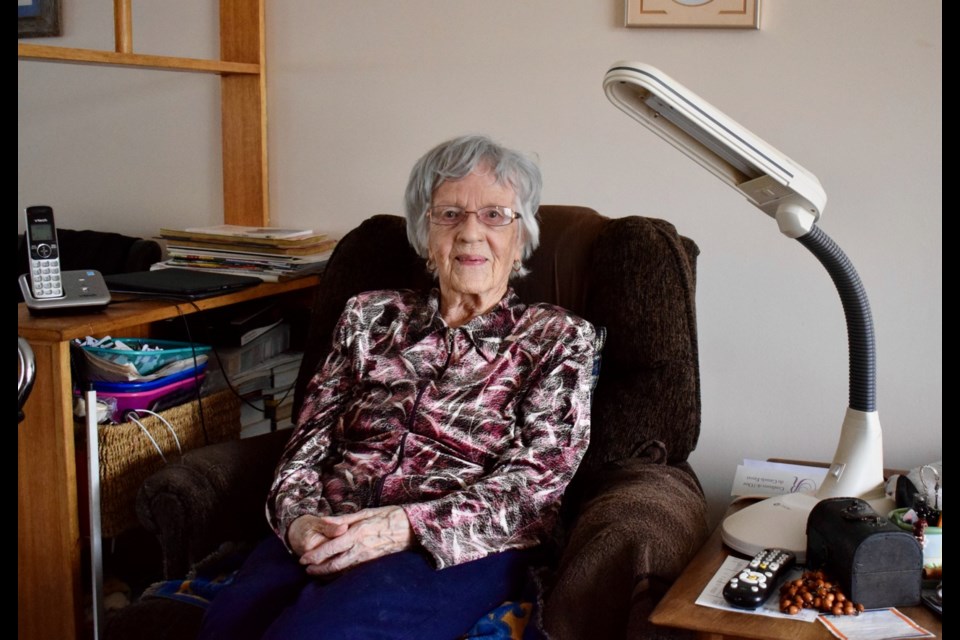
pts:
[751, 587]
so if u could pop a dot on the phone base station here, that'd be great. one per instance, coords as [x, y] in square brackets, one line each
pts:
[83, 291]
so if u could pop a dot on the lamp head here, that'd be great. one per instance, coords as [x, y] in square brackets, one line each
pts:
[767, 178]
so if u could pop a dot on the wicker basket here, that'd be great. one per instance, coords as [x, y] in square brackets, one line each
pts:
[127, 457]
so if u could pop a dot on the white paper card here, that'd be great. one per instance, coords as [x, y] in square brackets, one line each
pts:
[712, 595]
[882, 624]
[775, 479]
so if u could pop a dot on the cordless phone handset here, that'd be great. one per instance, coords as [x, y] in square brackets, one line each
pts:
[45, 278]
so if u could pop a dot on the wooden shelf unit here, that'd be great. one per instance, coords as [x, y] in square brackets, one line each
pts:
[50, 597]
[243, 100]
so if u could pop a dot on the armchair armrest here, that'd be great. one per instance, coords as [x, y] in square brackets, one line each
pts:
[212, 495]
[627, 545]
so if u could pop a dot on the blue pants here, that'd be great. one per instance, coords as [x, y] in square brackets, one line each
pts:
[396, 596]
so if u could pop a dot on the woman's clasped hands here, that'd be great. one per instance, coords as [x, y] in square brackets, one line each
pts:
[327, 545]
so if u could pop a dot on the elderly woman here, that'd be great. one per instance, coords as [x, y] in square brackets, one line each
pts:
[436, 441]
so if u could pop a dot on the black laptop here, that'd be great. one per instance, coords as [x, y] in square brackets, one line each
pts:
[178, 283]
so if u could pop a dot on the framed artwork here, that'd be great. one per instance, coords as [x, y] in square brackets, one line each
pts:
[730, 14]
[38, 18]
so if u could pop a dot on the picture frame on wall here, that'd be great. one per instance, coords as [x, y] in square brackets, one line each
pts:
[38, 18]
[723, 14]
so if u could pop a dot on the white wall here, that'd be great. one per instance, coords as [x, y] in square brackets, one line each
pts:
[358, 90]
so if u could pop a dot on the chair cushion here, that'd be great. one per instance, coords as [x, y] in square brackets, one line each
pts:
[636, 277]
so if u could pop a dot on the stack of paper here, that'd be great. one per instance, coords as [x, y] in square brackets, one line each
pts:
[269, 253]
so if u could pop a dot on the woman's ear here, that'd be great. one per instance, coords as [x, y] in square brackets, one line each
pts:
[518, 254]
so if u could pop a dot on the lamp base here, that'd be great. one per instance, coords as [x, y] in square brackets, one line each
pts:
[779, 522]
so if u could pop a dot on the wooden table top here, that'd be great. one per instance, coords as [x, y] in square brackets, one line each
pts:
[678, 608]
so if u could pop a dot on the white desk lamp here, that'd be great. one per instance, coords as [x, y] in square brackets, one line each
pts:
[793, 196]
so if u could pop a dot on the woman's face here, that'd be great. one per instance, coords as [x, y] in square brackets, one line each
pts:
[474, 261]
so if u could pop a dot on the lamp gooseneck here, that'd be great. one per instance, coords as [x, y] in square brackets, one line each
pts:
[856, 310]
[857, 468]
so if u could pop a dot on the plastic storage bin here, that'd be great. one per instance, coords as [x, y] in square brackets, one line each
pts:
[133, 365]
[105, 387]
[156, 398]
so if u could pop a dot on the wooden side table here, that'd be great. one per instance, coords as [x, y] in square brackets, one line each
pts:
[678, 608]
[50, 590]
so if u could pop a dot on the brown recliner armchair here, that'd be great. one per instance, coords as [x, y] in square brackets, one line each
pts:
[634, 514]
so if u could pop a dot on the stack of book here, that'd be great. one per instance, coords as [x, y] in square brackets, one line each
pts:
[266, 405]
[262, 371]
[279, 398]
[268, 253]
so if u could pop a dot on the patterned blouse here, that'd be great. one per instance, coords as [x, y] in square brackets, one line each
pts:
[474, 431]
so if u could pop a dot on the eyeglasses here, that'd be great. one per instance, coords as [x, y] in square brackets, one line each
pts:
[449, 215]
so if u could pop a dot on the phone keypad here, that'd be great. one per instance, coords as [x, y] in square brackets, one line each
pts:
[45, 275]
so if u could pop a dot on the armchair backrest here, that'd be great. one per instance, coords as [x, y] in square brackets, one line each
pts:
[634, 275]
